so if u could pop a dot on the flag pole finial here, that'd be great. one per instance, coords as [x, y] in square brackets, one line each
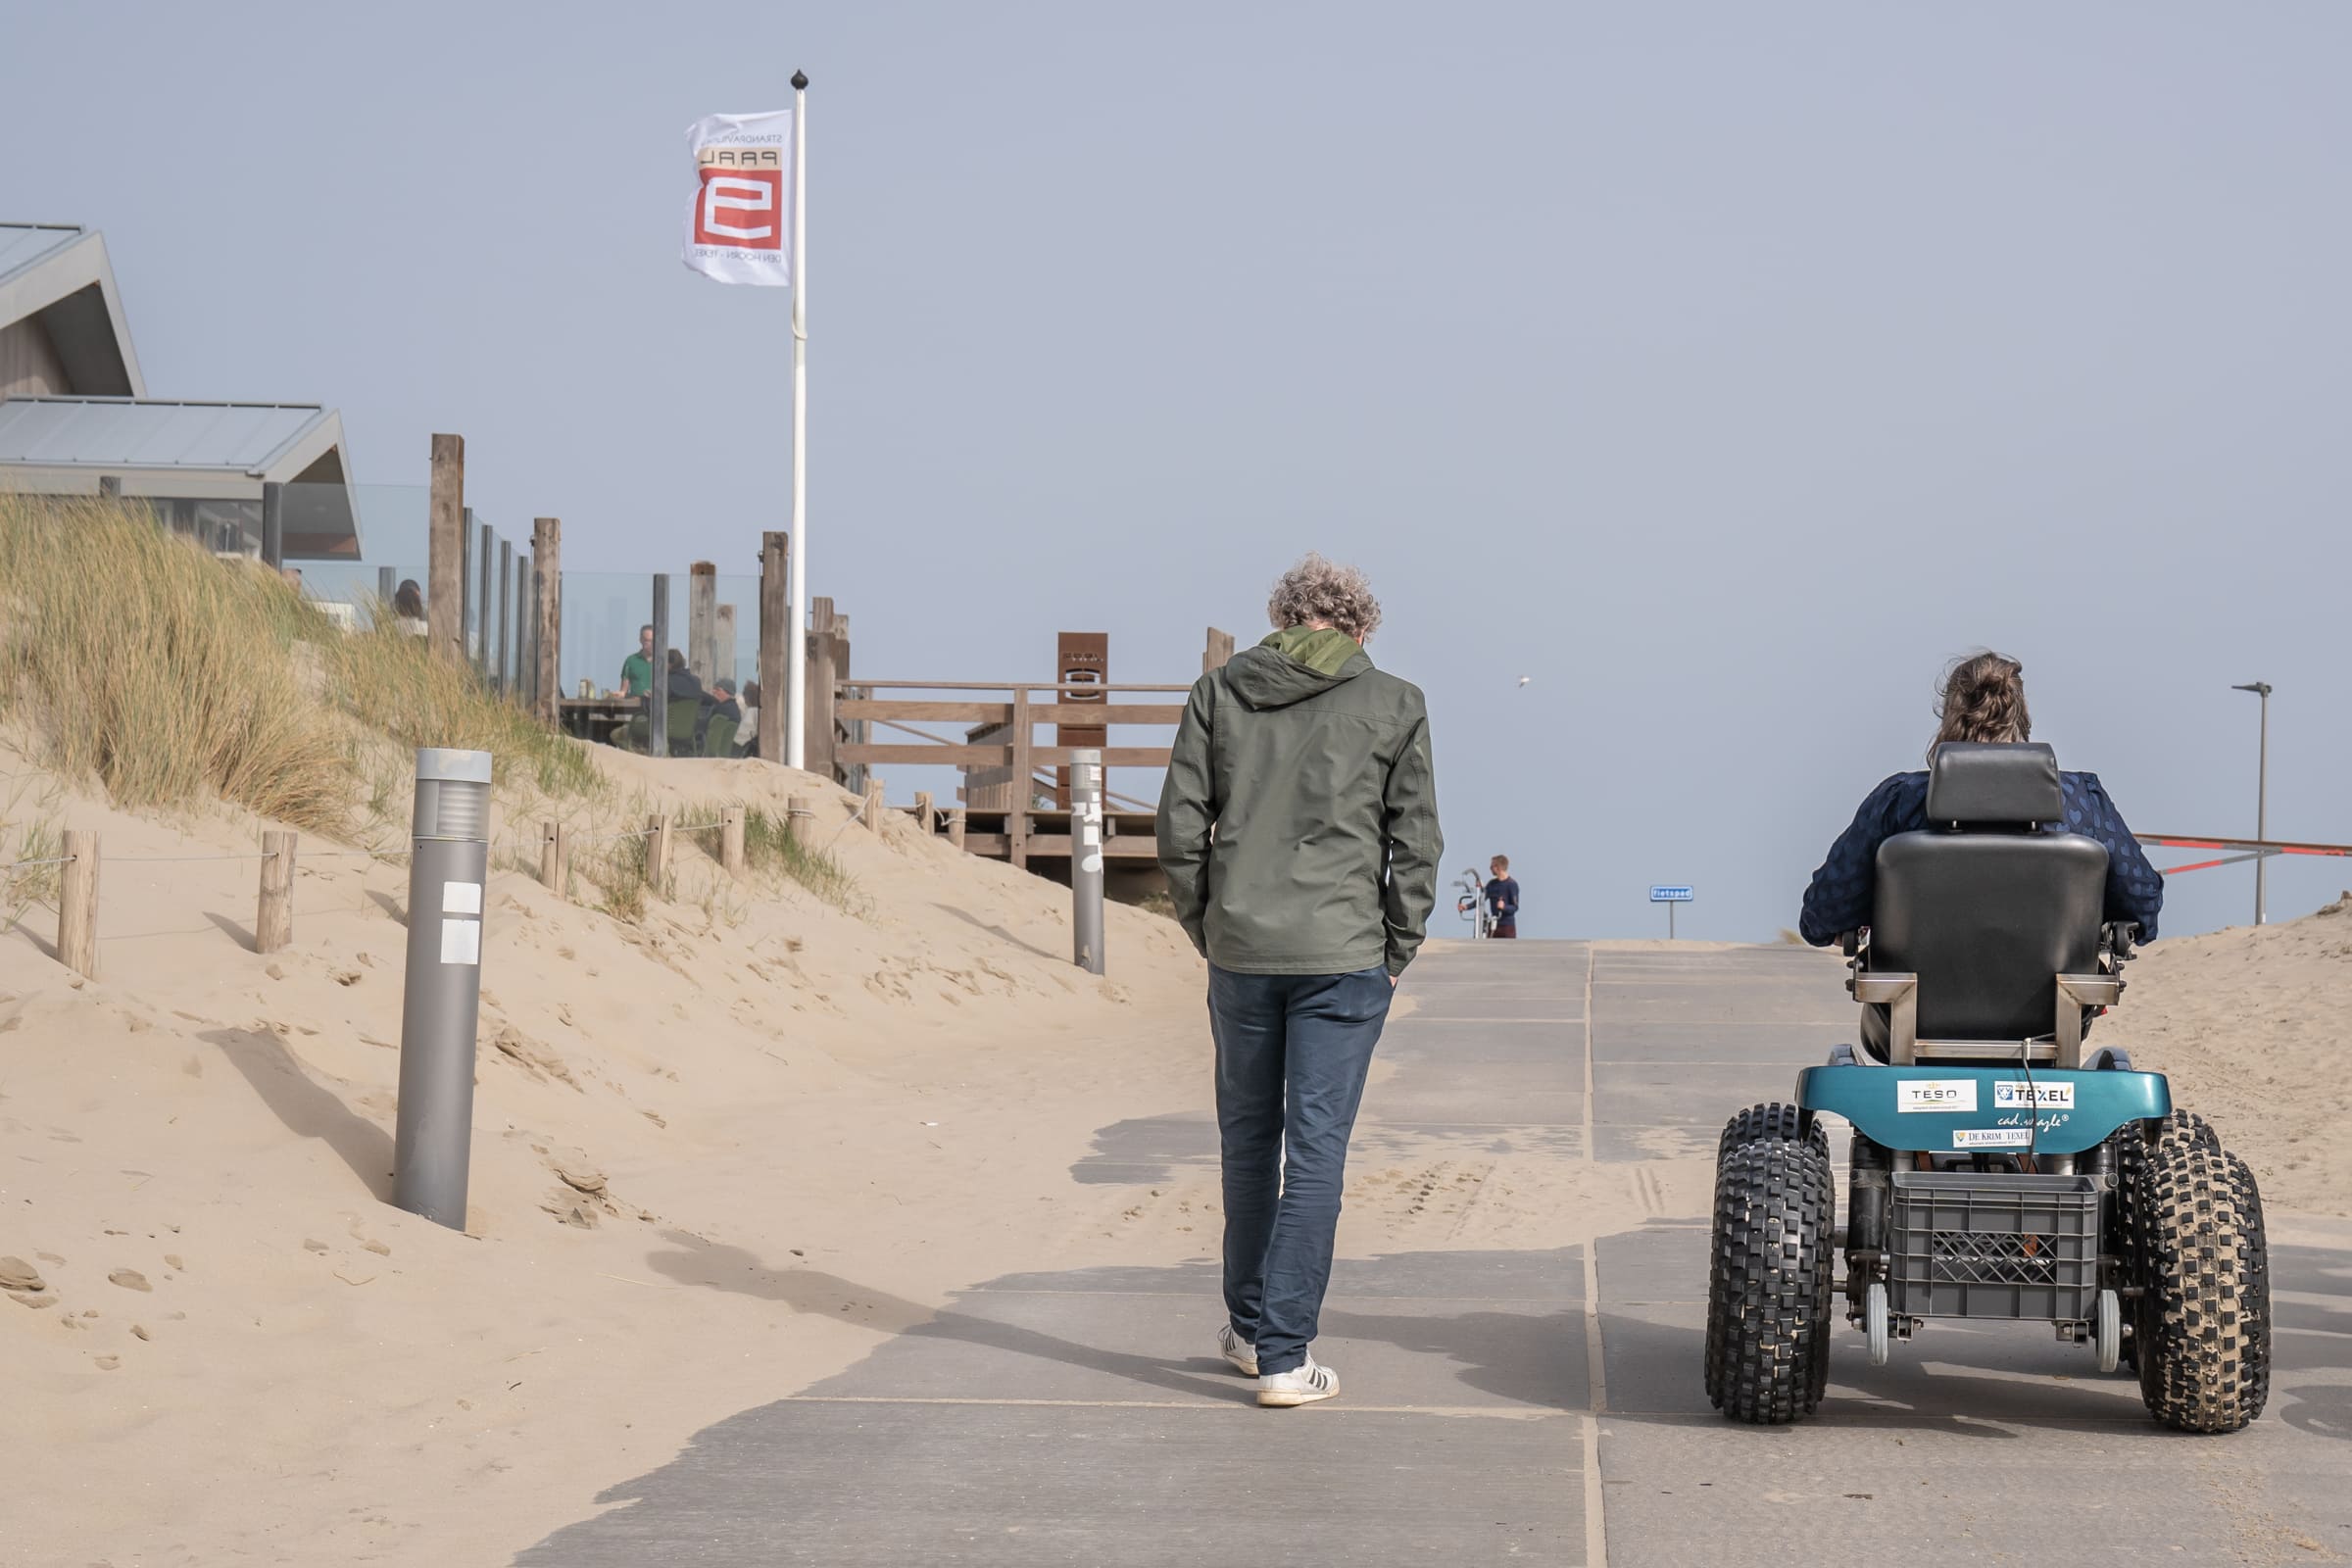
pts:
[800, 79]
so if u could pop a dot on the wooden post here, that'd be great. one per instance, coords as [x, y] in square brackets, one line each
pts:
[775, 624]
[816, 739]
[730, 840]
[656, 852]
[873, 806]
[702, 604]
[926, 816]
[546, 556]
[445, 571]
[723, 644]
[799, 819]
[554, 860]
[1024, 787]
[273, 920]
[78, 905]
[1218, 652]
[955, 828]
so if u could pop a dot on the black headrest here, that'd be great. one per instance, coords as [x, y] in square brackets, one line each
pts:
[1977, 784]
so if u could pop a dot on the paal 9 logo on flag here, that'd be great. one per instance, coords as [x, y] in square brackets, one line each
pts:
[741, 203]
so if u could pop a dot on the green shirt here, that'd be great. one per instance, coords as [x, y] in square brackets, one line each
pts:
[636, 675]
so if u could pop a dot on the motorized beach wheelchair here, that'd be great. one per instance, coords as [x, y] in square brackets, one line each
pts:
[1999, 1170]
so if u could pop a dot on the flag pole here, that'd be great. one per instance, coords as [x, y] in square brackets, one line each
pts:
[796, 679]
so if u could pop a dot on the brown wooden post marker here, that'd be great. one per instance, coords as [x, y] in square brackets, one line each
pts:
[723, 643]
[273, 920]
[819, 679]
[925, 817]
[776, 625]
[730, 840]
[555, 858]
[656, 852]
[546, 568]
[1218, 652]
[445, 549]
[955, 828]
[702, 609]
[800, 821]
[873, 805]
[1024, 783]
[78, 905]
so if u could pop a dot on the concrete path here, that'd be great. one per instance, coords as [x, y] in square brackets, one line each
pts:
[1537, 1405]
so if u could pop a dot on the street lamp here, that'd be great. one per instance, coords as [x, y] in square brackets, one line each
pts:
[2262, 791]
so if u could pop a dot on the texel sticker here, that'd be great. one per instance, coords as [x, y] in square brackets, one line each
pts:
[1991, 1137]
[2017, 1096]
[461, 942]
[1935, 1094]
[461, 897]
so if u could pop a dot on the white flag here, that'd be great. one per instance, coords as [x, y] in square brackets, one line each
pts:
[739, 225]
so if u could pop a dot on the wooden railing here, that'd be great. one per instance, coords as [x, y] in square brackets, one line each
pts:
[1016, 759]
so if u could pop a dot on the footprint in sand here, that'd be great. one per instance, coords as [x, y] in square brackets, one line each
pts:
[130, 1279]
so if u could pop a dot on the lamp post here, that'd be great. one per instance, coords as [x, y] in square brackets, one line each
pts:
[2262, 791]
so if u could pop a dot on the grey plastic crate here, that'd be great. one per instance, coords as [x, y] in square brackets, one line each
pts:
[1963, 1244]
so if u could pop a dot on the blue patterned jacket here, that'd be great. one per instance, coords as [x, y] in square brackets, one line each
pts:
[1838, 898]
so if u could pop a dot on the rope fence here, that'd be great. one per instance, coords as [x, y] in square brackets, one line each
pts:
[80, 863]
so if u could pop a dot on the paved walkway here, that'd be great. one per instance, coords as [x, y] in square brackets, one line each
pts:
[1539, 1405]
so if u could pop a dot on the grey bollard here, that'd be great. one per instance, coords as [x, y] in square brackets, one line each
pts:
[441, 1004]
[1086, 860]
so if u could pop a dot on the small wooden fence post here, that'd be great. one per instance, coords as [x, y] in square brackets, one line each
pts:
[273, 920]
[78, 905]
[730, 840]
[555, 858]
[801, 821]
[955, 828]
[656, 852]
[926, 816]
[873, 806]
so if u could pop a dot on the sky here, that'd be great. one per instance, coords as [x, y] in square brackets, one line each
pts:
[1724, 370]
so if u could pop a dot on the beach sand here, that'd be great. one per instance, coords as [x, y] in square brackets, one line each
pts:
[719, 1152]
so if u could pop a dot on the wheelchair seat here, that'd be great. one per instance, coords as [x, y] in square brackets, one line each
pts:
[1986, 937]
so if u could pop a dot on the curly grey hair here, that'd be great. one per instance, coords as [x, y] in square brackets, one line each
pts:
[1323, 590]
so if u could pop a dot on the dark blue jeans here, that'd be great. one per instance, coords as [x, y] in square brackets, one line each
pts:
[1292, 1055]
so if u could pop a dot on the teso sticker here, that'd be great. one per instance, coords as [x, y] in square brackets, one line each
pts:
[1935, 1094]
[1992, 1137]
[2017, 1095]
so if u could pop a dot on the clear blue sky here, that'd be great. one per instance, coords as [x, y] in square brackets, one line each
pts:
[1724, 367]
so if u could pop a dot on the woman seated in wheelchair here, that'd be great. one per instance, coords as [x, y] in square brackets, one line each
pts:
[1984, 699]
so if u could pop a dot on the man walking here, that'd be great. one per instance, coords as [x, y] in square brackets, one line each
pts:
[1299, 831]
[1503, 899]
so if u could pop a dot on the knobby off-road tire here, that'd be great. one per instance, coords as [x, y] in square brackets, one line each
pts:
[1768, 1286]
[2132, 1146]
[2202, 1326]
[1755, 1124]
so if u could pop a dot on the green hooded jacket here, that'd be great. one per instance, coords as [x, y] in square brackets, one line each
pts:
[1298, 825]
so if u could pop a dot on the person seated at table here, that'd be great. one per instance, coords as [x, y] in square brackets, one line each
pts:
[746, 734]
[723, 720]
[637, 671]
[689, 707]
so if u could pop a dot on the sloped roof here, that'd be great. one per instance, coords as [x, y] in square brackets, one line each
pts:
[59, 274]
[189, 450]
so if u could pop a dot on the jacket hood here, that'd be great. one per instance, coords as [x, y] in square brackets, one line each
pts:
[1293, 666]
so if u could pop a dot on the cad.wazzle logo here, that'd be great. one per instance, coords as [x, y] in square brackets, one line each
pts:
[741, 203]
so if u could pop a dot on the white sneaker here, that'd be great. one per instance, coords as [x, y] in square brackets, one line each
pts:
[1242, 1353]
[1303, 1384]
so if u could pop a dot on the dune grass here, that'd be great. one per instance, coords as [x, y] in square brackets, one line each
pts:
[769, 845]
[173, 677]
